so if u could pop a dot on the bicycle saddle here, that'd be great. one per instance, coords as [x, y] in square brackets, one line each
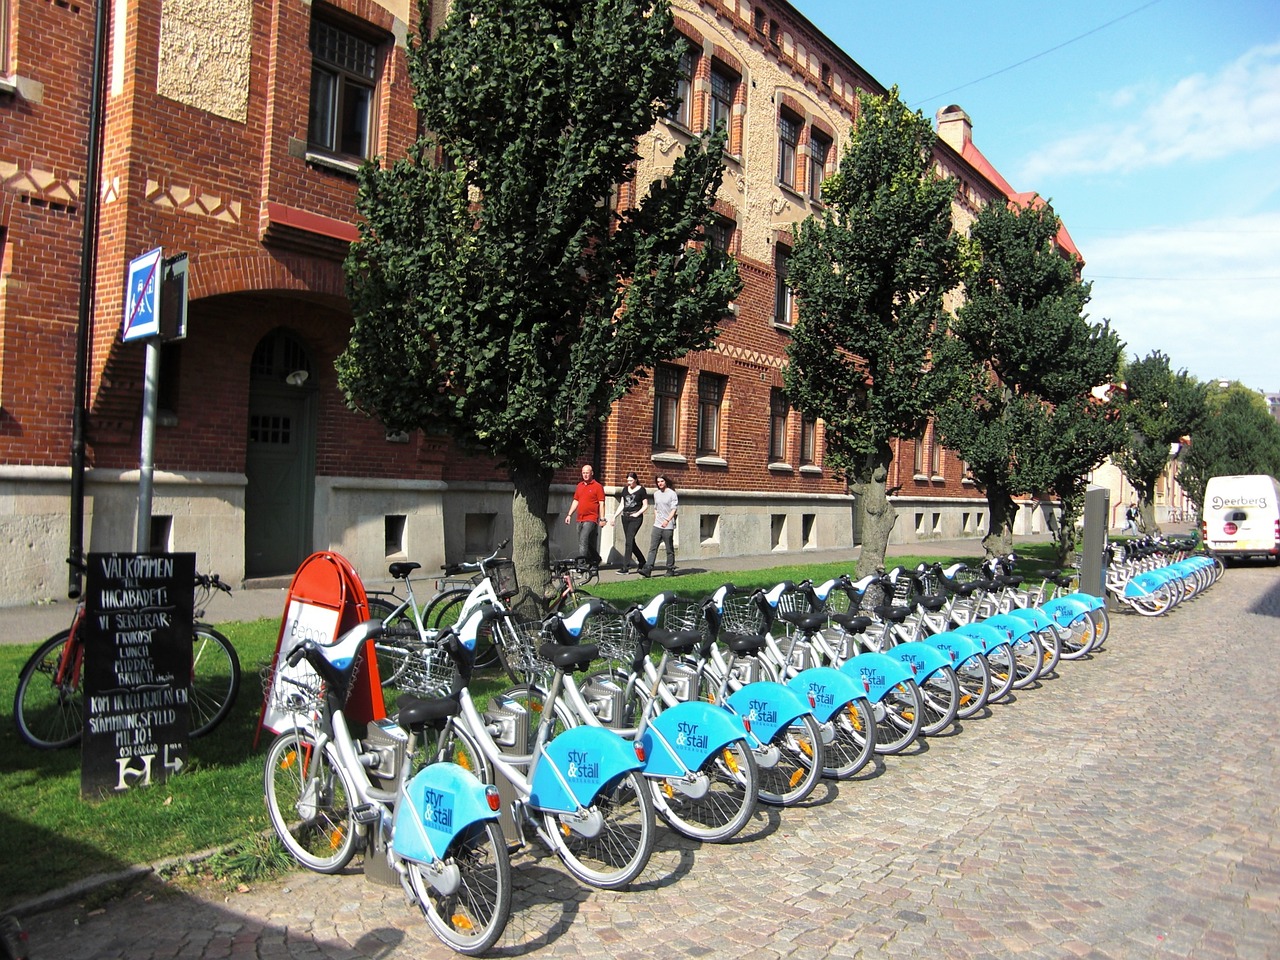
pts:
[569, 657]
[415, 712]
[402, 568]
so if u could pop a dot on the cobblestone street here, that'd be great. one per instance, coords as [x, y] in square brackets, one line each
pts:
[1126, 808]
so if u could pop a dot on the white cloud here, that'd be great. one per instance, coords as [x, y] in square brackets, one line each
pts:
[1207, 294]
[1201, 117]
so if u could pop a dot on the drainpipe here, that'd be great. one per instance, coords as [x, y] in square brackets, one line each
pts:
[88, 265]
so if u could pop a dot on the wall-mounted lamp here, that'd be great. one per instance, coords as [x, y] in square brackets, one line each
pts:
[297, 378]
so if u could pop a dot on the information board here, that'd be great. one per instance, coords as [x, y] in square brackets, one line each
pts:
[137, 670]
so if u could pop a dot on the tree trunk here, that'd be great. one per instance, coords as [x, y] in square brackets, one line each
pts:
[529, 540]
[1065, 535]
[880, 514]
[999, 538]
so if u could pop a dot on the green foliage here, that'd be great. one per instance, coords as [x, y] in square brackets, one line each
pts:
[496, 291]
[1238, 436]
[1021, 364]
[870, 273]
[1163, 407]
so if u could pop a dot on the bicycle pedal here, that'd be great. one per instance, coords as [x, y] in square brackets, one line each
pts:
[366, 813]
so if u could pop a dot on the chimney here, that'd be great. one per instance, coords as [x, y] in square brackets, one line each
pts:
[955, 129]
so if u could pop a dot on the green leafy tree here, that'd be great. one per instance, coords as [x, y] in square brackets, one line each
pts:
[870, 273]
[1021, 364]
[496, 291]
[1163, 407]
[1239, 436]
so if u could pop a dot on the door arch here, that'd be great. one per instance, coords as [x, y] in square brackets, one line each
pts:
[280, 456]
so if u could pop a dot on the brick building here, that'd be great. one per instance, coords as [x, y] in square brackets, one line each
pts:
[231, 132]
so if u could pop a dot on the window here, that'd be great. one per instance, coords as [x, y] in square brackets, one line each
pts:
[778, 410]
[710, 396]
[719, 235]
[808, 441]
[819, 151]
[724, 89]
[4, 38]
[666, 407]
[784, 301]
[788, 143]
[344, 68]
[682, 112]
[917, 465]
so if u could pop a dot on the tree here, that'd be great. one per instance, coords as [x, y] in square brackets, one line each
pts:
[1021, 364]
[1163, 407]
[870, 273]
[497, 292]
[1239, 436]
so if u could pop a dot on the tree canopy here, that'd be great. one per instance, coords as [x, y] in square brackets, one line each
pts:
[870, 273]
[498, 292]
[1238, 436]
[1021, 364]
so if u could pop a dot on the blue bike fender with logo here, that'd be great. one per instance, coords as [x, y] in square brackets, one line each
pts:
[1089, 600]
[829, 689]
[586, 759]
[924, 659]
[694, 730]
[987, 637]
[1145, 583]
[438, 804]
[877, 672]
[769, 706]
[1064, 610]
[957, 647]
[1015, 627]
[1034, 616]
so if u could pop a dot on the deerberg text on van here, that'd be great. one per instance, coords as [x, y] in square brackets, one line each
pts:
[1220, 503]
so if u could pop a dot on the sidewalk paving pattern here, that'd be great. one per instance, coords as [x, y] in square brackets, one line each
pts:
[1126, 808]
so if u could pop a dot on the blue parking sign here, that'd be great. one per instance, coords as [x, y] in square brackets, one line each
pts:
[142, 297]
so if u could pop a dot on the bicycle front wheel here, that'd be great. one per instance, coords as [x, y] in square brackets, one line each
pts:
[899, 716]
[854, 742]
[49, 710]
[940, 696]
[309, 800]
[610, 846]
[215, 679]
[717, 800]
[974, 677]
[793, 762]
[471, 916]
[1028, 656]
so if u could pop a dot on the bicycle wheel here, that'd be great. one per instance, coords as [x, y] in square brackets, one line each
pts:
[899, 716]
[472, 915]
[443, 611]
[49, 714]
[854, 740]
[1003, 669]
[791, 763]
[1028, 658]
[215, 679]
[940, 695]
[611, 845]
[974, 676]
[717, 801]
[392, 657]
[309, 800]
[1051, 644]
[1077, 636]
[533, 698]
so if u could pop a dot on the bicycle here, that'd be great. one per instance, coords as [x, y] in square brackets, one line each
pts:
[48, 705]
[328, 787]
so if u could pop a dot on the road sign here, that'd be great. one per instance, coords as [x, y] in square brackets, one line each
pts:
[142, 297]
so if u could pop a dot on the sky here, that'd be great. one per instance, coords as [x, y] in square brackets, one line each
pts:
[1151, 126]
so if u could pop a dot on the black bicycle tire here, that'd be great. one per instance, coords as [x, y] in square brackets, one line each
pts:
[232, 690]
[25, 679]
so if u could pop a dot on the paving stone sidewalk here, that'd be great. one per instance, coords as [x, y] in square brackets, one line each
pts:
[1126, 808]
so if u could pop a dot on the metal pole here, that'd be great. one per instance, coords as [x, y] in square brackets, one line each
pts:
[147, 460]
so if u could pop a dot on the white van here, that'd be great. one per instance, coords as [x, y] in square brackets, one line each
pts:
[1241, 517]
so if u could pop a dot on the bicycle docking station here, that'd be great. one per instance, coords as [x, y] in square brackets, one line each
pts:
[137, 629]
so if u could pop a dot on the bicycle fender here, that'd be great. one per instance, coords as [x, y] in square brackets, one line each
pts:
[694, 731]
[1014, 627]
[877, 672]
[988, 638]
[1064, 610]
[924, 659]
[769, 706]
[577, 765]
[1034, 616]
[956, 646]
[1089, 600]
[438, 804]
[1145, 583]
[828, 688]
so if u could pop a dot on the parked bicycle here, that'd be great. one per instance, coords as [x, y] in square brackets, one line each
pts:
[48, 705]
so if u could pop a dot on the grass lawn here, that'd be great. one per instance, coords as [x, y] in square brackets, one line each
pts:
[52, 837]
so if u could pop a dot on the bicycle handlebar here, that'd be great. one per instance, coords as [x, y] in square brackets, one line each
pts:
[466, 566]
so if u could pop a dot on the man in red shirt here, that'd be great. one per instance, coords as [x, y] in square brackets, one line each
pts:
[588, 501]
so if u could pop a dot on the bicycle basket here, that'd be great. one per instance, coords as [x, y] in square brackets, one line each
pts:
[503, 573]
[613, 633]
[428, 672]
[296, 690]
[740, 614]
[519, 643]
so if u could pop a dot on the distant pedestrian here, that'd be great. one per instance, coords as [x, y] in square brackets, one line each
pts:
[665, 504]
[588, 499]
[633, 501]
[1131, 518]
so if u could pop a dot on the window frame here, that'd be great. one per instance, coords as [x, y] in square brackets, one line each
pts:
[681, 113]
[668, 385]
[808, 441]
[779, 417]
[818, 159]
[784, 298]
[340, 109]
[790, 128]
[711, 393]
[731, 80]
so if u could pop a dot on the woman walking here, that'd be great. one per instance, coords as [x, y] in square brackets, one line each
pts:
[633, 501]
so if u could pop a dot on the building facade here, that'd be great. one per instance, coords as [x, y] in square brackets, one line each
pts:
[231, 132]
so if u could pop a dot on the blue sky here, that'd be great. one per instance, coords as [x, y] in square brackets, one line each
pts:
[1153, 127]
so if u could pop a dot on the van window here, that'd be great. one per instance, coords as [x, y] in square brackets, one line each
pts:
[1237, 515]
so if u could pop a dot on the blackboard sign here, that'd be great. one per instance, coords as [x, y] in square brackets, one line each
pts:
[137, 669]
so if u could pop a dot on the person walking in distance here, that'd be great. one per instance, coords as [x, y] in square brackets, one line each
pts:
[633, 501]
[665, 503]
[588, 499]
[1131, 518]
